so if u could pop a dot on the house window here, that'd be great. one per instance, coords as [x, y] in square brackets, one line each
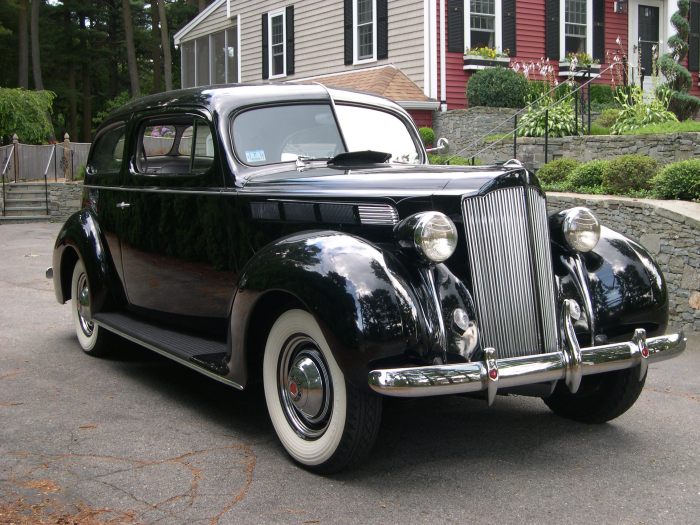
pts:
[188, 60]
[276, 30]
[365, 30]
[575, 26]
[232, 53]
[482, 23]
[202, 64]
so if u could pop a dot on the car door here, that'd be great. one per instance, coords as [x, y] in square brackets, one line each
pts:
[173, 250]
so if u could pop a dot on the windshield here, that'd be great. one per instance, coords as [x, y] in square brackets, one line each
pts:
[274, 134]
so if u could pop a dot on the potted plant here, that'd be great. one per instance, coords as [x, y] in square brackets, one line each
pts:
[484, 56]
[577, 65]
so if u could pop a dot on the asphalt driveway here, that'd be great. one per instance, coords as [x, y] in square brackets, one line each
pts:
[138, 439]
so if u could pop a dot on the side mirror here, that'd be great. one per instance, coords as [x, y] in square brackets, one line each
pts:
[442, 145]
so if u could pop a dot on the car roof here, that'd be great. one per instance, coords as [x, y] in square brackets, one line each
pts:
[227, 98]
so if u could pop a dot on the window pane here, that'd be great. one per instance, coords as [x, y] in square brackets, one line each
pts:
[203, 61]
[370, 129]
[575, 45]
[218, 55]
[483, 39]
[483, 7]
[204, 147]
[188, 64]
[277, 30]
[365, 48]
[108, 151]
[364, 12]
[576, 11]
[281, 134]
[158, 140]
[232, 54]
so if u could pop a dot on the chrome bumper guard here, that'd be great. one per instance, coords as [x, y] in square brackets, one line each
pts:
[492, 374]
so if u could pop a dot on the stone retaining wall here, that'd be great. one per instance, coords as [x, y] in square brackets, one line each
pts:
[669, 230]
[64, 200]
[462, 127]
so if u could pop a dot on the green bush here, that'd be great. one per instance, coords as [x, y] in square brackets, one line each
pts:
[601, 94]
[427, 136]
[557, 171]
[629, 173]
[683, 105]
[636, 113]
[588, 175]
[607, 117]
[26, 113]
[680, 180]
[561, 117]
[599, 130]
[497, 87]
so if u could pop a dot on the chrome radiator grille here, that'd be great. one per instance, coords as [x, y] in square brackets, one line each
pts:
[511, 267]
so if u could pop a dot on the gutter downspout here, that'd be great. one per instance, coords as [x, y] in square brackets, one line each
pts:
[443, 87]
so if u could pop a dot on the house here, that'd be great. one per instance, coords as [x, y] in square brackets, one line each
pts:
[413, 51]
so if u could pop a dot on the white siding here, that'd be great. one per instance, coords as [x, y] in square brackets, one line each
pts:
[318, 36]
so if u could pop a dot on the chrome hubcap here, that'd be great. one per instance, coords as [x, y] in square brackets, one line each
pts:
[305, 387]
[83, 295]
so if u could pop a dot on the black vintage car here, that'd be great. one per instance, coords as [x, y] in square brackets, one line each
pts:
[296, 236]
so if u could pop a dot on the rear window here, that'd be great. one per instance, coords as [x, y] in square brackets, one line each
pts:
[108, 151]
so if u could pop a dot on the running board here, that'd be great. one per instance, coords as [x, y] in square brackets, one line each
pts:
[203, 355]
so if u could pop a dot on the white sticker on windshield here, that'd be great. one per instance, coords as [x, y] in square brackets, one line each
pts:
[256, 155]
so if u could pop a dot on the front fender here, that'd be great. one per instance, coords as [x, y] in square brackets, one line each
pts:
[358, 293]
[81, 237]
[624, 286]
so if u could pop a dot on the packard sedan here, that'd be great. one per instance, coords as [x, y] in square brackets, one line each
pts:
[296, 236]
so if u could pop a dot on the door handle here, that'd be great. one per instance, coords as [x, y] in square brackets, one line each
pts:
[123, 205]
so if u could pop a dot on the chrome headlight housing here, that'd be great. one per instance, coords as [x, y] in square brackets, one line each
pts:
[432, 234]
[581, 229]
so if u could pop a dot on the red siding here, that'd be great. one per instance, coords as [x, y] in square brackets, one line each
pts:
[456, 77]
[695, 90]
[422, 117]
[615, 26]
[529, 30]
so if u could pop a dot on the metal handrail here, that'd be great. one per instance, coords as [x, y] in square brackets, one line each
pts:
[46, 183]
[2, 176]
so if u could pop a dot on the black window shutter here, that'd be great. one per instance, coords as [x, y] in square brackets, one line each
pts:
[599, 30]
[382, 29]
[348, 32]
[289, 21]
[552, 29]
[508, 27]
[455, 26]
[694, 38]
[265, 64]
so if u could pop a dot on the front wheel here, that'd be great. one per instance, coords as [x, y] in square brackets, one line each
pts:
[93, 340]
[600, 398]
[323, 422]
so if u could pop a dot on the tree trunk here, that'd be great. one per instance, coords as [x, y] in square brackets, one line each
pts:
[165, 42]
[155, 47]
[130, 49]
[36, 58]
[23, 45]
[202, 4]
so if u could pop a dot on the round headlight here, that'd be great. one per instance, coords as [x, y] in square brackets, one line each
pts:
[581, 229]
[435, 236]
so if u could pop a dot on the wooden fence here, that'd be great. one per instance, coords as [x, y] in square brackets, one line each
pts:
[26, 162]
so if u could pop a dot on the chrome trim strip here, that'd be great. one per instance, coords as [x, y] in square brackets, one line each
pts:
[378, 214]
[175, 358]
[525, 370]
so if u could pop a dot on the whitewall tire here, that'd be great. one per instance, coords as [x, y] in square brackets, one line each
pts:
[93, 340]
[324, 423]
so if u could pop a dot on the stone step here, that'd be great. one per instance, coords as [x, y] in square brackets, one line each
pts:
[25, 210]
[32, 201]
[23, 218]
[25, 191]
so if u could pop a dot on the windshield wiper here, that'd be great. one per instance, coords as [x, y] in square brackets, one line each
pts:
[359, 157]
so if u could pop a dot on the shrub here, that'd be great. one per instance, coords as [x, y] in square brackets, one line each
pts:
[562, 120]
[427, 136]
[601, 94]
[684, 106]
[26, 113]
[586, 175]
[629, 173]
[636, 113]
[607, 117]
[557, 171]
[599, 130]
[680, 180]
[497, 87]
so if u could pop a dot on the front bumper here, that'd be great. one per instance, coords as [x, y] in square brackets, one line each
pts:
[570, 364]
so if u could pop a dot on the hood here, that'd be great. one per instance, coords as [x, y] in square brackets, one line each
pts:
[385, 180]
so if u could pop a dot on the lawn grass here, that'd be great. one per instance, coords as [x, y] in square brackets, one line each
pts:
[667, 127]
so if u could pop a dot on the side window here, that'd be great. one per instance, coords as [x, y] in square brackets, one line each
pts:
[108, 151]
[175, 145]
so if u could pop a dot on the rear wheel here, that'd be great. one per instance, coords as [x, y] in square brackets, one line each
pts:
[600, 398]
[324, 423]
[93, 340]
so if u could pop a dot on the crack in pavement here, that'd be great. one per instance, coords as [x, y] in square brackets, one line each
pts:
[190, 495]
